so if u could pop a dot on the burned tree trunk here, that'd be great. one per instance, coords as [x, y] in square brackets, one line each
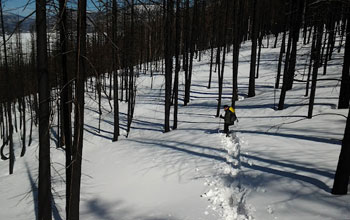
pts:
[251, 90]
[65, 93]
[168, 61]
[116, 132]
[341, 179]
[8, 101]
[44, 197]
[317, 58]
[177, 62]
[344, 95]
[77, 148]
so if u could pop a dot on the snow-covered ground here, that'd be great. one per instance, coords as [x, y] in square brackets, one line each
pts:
[275, 165]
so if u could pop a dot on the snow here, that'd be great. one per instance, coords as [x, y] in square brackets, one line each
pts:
[274, 165]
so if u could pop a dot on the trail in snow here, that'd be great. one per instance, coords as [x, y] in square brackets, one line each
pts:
[227, 195]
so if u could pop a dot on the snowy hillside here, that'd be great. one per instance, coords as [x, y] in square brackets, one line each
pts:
[275, 165]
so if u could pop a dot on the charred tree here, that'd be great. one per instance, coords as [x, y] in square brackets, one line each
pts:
[65, 91]
[168, 52]
[77, 148]
[44, 197]
[131, 85]
[296, 20]
[251, 89]
[116, 131]
[316, 65]
[342, 174]
[238, 8]
[224, 44]
[177, 61]
[8, 101]
[344, 96]
[279, 67]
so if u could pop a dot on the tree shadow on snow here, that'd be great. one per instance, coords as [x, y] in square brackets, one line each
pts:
[114, 211]
[34, 191]
[296, 136]
[186, 148]
[313, 181]
[290, 165]
[54, 136]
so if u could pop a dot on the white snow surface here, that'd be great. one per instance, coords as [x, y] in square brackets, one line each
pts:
[274, 165]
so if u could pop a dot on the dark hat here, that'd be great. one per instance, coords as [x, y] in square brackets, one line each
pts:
[225, 106]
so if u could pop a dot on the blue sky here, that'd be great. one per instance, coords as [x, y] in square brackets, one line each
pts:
[17, 6]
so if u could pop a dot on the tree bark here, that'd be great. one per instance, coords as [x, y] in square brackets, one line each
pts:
[223, 42]
[341, 179]
[77, 150]
[66, 90]
[310, 64]
[285, 77]
[44, 197]
[168, 61]
[236, 46]
[116, 131]
[8, 101]
[295, 27]
[251, 89]
[344, 96]
[131, 100]
[177, 62]
[317, 57]
[192, 44]
[279, 67]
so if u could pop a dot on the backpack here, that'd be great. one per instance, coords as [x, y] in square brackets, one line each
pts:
[233, 116]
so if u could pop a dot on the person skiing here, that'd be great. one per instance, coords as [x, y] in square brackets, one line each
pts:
[229, 118]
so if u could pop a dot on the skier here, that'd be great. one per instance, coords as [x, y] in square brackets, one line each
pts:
[229, 118]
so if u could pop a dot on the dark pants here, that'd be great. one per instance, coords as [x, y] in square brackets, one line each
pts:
[226, 128]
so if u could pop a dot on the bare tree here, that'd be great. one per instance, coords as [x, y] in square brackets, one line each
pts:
[344, 96]
[341, 179]
[65, 93]
[237, 27]
[44, 197]
[177, 61]
[316, 54]
[168, 60]
[251, 90]
[77, 150]
[115, 71]
[8, 103]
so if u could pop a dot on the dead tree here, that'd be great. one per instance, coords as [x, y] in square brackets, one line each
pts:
[342, 174]
[251, 89]
[44, 197]
[317, 57]
[131, 86]
[177, 61]
[77, 148]
[8, 101]
[65, 91]
[237, 27]
[168, 42]
[344, 95]
[116, 132]
[224, 43]
[192, 44]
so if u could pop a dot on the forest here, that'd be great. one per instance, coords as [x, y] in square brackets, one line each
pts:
[101, 47]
